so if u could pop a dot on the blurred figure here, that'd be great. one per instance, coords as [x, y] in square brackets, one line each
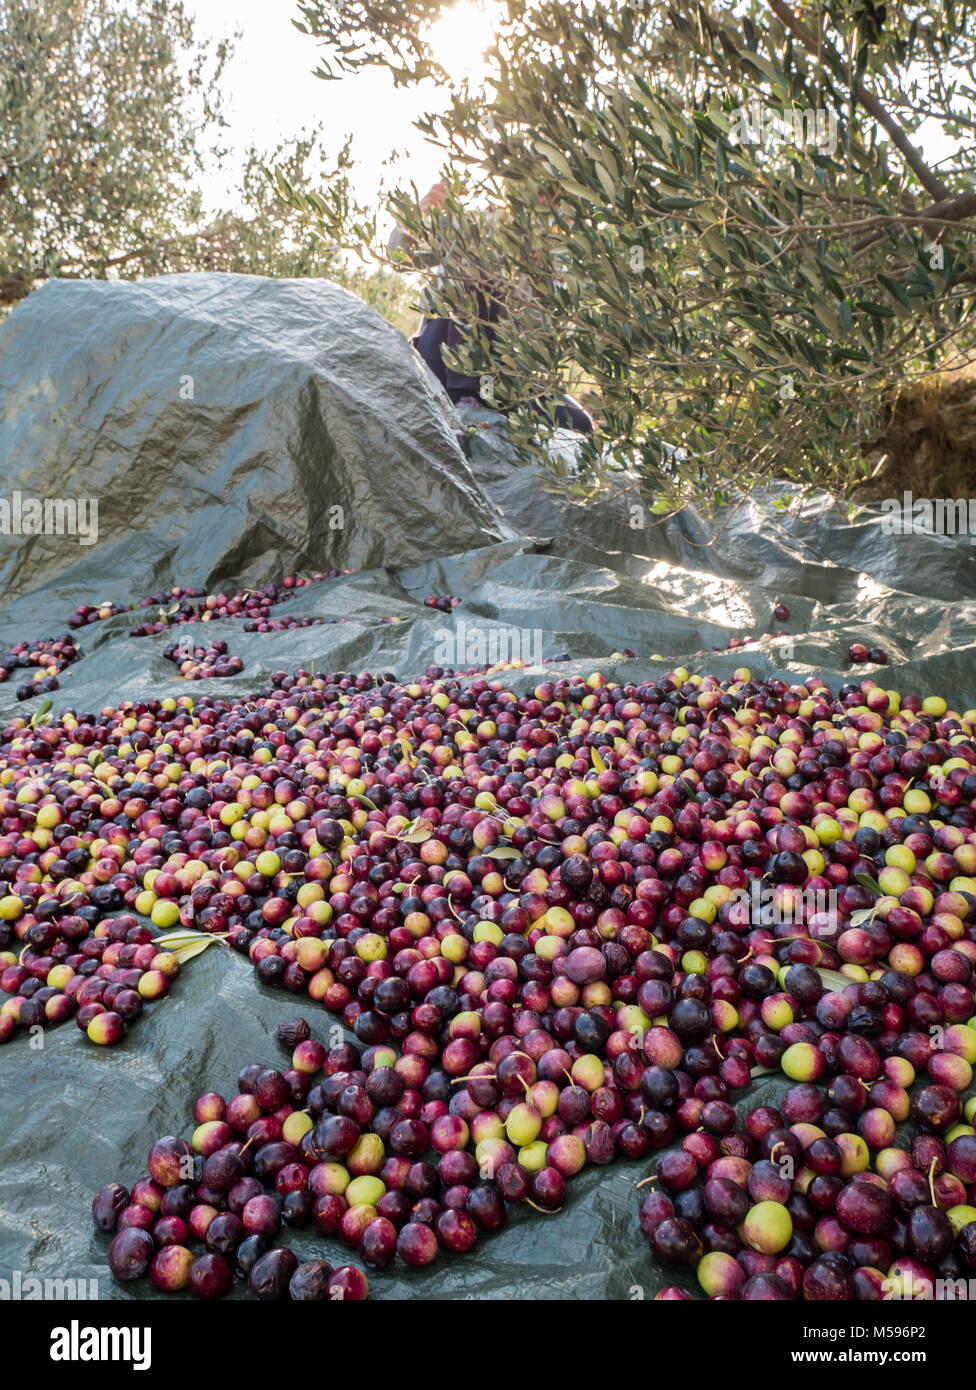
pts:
[435, 334]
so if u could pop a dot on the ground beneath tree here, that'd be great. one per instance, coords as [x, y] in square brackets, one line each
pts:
[929, 444]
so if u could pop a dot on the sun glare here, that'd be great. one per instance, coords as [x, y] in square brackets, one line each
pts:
[459, 38]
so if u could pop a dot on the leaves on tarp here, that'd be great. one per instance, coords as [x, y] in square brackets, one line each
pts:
[184, 945]
[42, 714]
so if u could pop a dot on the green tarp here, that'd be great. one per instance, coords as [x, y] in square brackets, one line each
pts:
[303, 399]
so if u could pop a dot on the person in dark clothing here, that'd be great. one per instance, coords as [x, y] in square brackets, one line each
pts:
[435, 334]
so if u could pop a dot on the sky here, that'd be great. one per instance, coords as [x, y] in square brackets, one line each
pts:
[270, 92]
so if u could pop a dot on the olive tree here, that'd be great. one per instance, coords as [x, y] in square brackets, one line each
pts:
[108, 113]
[719, 219]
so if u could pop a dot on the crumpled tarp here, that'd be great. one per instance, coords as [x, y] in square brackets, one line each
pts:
[304, 396]
[219, 421]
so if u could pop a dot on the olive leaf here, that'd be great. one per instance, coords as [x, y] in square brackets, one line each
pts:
[503, 852]
[40, 715]
[173, 940]
[833, 979]
[863, 916]
[187, 944]
[358, 796]
[597, 761]
[422, 830]
[866, 881]
[185, 953]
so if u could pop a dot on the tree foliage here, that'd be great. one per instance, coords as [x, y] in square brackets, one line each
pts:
[718, 218]
[108, 114]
